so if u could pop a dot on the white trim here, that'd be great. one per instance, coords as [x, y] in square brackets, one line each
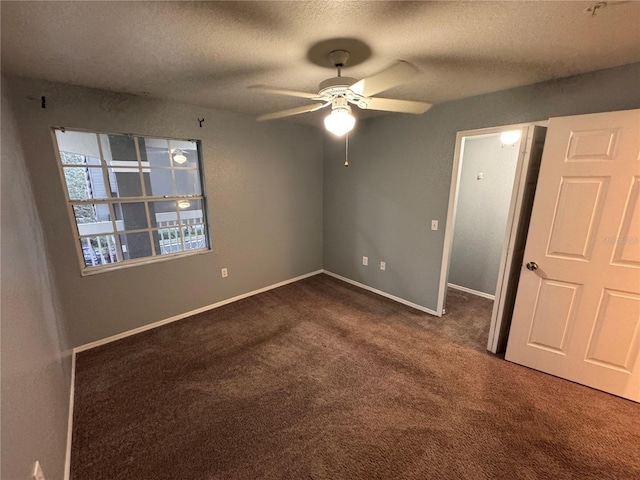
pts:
[384, 294]
[512, 235]
[451, 215]
[493, 130]
[67, 459]
[159, 323]
[513, 217]
[471, 291]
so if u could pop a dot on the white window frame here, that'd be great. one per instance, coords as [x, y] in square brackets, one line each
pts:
[111, 201]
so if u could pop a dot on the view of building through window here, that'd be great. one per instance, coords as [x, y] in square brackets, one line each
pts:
[132, 197]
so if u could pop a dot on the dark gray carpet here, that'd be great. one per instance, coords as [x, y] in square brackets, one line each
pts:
[322, 380]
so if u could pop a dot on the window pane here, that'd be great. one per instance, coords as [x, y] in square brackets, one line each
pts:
[191, 211]
[99, 250]
[130, 216]
[184, 153]
[168, 240]
[85, 213]
[68, 158]
[136, 245]
[194, 237]
[120, 150]
[161, 181]
[93, 219]
[187, 182]
[125, 182]
[157, 150]
[89, 253]
[84, 183]
[77, 144]
[163, 214]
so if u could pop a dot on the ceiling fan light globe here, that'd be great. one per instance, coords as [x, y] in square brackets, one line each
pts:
[179, 158]
[339, 122]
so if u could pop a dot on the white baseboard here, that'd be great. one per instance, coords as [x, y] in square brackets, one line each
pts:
[175, 318]
[471, 291]
[384, 294]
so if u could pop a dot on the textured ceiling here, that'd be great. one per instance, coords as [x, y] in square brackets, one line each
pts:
[207, 53]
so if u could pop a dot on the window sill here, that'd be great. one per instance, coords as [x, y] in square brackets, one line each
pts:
[89, 271]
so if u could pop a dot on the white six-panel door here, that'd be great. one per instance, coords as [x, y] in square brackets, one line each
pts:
[577, 315]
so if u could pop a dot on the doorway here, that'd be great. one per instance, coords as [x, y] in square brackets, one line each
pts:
[493, 176]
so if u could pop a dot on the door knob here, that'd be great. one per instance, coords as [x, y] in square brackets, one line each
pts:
[533, 266]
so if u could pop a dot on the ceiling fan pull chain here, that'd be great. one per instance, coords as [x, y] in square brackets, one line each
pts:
[346, 150]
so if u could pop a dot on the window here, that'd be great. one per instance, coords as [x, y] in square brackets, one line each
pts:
[133, 199]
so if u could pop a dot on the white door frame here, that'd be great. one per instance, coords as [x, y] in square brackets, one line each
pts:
[453, 197]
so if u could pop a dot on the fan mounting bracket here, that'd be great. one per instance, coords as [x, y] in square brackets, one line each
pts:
[339, 58]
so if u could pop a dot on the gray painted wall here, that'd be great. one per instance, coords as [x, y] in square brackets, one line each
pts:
[36, 363]
[398, 181]
[264, 188]
[482, 211]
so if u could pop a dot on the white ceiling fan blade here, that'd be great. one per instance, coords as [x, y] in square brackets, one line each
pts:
[292, 111]
[283, 91]
[392, 76]
[402, 106]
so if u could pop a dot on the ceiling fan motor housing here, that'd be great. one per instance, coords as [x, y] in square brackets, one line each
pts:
[335, 85]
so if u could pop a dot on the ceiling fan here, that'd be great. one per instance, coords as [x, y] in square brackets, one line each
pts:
[340, 91]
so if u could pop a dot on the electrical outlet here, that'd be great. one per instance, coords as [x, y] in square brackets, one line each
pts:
[365, 260]
[383, 266]
[434, 224]
[224, 272]
[37, 471]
